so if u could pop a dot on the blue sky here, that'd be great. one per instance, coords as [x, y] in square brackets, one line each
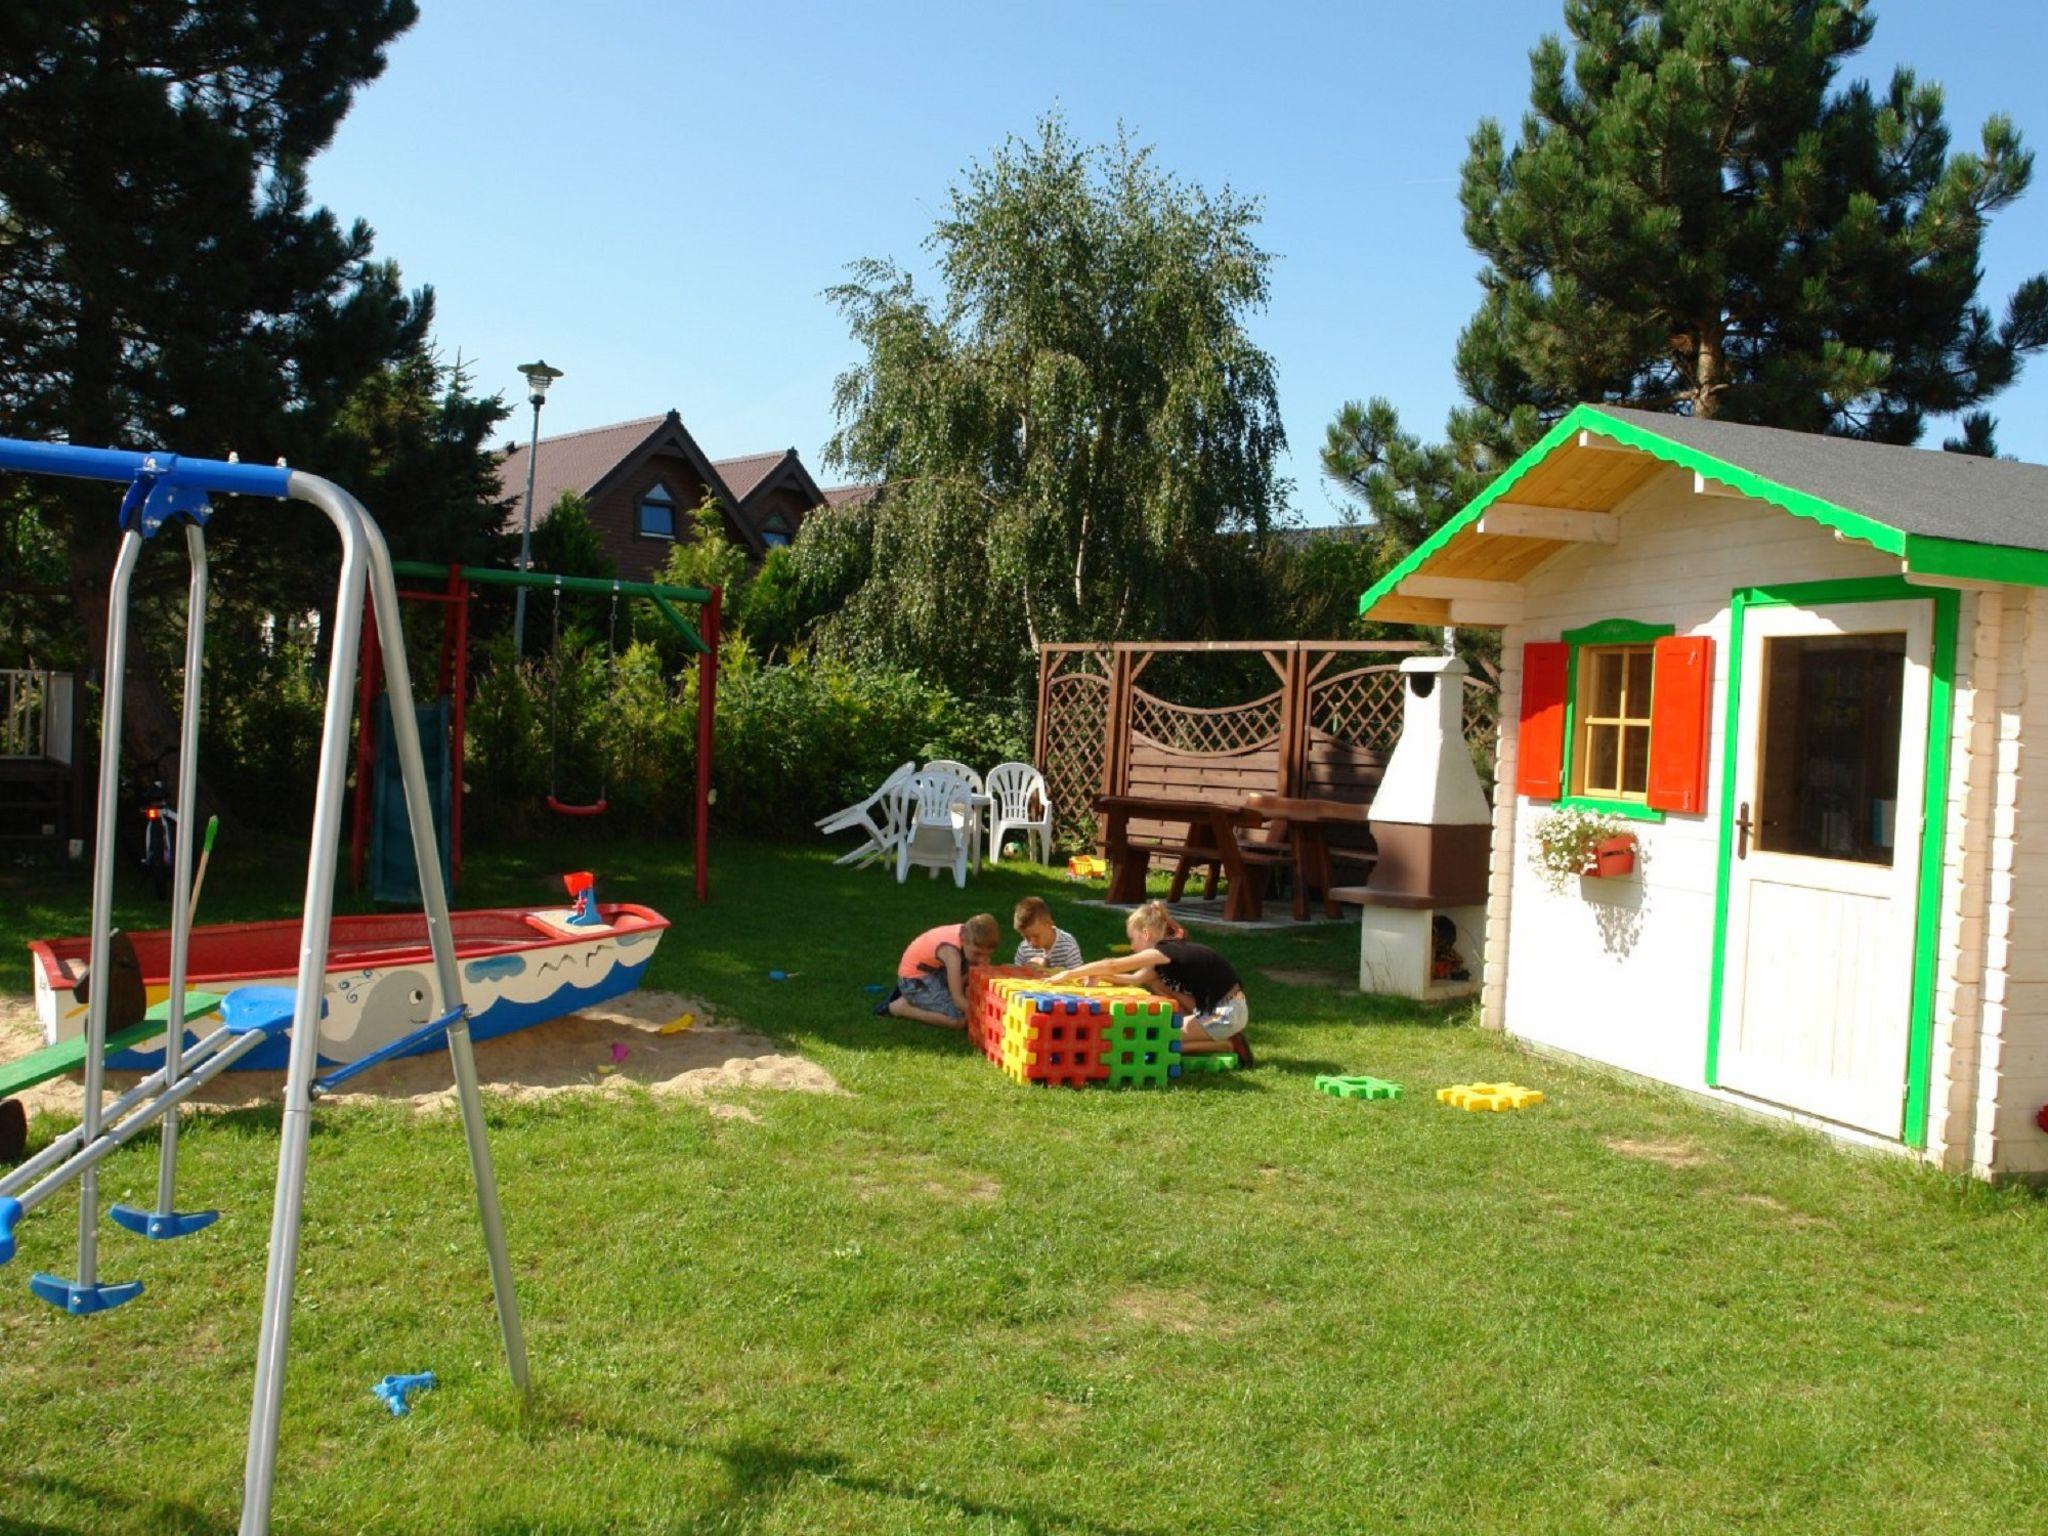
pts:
[654, 196]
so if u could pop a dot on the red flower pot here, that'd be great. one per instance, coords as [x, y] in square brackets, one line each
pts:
[1615, 856]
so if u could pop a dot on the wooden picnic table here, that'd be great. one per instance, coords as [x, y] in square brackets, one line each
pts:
[1305, 826]
[1211, 838]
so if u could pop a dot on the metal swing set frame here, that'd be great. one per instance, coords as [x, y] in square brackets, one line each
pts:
[458, 584]
[161, 489]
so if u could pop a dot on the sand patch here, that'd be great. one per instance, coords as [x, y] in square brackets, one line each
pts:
[1672, 1154]
[573, 1054]
[917, 1173]
[1168, 1311]
[1796, 1219]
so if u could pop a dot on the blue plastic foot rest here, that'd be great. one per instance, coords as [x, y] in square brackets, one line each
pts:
[10, 1214]
[263, 1011]
[83, 1300]
[160, 1227]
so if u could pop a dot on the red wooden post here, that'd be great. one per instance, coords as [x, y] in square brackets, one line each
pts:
[707, 699]
[370, 668]
[457, 687]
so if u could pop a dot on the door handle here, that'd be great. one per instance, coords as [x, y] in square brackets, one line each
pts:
[1743, 828]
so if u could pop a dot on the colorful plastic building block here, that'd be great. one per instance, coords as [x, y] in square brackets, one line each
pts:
[1144, 1043]
[1051, 1039]
[1489, 1096]
[1357, 1087]
[985, 1006]
[1202, 1063]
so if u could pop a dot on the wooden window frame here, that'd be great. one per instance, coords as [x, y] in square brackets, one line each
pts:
[1607, 635]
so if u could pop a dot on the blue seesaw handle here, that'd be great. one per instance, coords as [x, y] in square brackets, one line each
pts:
[10, 1214]
[384, 1053]
[122, 465]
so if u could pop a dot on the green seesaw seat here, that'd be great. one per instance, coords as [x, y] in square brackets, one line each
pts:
[69, 1055]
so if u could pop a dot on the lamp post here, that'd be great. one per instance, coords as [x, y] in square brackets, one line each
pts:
[538, 377]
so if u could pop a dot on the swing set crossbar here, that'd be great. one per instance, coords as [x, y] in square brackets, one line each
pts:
[664, 598]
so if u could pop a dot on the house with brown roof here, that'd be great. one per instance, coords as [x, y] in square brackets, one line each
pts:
[643, 478]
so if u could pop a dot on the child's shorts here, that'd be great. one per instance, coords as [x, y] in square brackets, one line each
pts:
[928, 990]
[1223, 1022]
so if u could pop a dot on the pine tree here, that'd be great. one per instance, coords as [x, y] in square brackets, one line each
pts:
[164, 279]
[1695, 217]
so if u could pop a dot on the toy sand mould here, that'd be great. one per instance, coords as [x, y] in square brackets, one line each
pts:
[572, 1054]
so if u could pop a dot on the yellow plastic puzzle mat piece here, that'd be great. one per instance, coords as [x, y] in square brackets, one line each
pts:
[1489, 1096]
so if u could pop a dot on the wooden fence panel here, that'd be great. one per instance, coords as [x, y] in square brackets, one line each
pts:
[1325, 731]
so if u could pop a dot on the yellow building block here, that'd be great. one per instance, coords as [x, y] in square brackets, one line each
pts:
[1489, 1096]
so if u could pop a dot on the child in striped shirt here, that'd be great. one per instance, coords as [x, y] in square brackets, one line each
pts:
[1044, 943]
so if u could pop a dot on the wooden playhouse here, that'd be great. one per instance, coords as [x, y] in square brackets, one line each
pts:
[1809, 677]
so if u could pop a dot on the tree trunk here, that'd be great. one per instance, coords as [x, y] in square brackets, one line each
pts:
[1709, 369]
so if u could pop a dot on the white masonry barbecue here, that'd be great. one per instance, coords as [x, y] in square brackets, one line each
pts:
[1432, 827]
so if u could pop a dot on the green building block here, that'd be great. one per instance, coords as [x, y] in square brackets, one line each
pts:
[1199, 1062]
[1143, 1045]
[1357, 1087]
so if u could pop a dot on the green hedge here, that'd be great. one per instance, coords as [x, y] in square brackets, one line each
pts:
[794, 740]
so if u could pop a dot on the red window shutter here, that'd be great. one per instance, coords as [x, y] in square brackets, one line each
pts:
[1539, 764]
[1681, 708]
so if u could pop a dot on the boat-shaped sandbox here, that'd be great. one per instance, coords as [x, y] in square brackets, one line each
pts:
[520, 966]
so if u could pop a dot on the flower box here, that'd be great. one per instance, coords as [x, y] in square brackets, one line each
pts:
[1614, 857]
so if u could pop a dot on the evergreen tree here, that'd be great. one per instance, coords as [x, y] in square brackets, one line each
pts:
[1071, 434]
[164, 279]
[1696, 218]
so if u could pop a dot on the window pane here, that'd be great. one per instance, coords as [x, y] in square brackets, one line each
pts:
[1635, 759]
[658, 520]
[1603, 752]
[1828, 775]
[1606, 683]
[1639, 663]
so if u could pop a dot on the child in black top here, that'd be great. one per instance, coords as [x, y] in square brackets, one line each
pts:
[1201, 983]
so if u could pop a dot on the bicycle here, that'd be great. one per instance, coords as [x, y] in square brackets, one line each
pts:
[159, 825]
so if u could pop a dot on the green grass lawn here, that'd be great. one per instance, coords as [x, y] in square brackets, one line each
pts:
[939, 1302]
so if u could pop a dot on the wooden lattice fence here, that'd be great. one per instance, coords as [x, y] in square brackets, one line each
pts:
[1324, 729]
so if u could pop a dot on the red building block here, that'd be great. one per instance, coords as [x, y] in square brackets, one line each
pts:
[1053, 1039]
[985, 1005]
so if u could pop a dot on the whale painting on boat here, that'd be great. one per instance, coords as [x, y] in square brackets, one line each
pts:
[520, 966]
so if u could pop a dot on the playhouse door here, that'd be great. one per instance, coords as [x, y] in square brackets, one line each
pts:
[1830, 760]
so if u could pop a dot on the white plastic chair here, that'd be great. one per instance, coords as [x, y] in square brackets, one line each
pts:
[940, 816]
[960, 770]
[873, 816]
[1019, 802]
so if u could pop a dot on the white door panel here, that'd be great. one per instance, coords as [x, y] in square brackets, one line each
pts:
[1828, 772]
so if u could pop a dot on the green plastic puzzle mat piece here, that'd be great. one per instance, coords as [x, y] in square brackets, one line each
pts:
[1339, 1087]
[1206, 1061]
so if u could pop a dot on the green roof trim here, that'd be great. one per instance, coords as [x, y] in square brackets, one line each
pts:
[1617, 632]
[1932, 556]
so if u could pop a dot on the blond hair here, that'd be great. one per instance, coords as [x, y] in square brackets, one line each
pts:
[980, 932]
[1032, 909]
[1151, 921]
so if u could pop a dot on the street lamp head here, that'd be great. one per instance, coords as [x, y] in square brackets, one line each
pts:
[538, 377]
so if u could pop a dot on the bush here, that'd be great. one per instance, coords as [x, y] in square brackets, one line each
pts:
[792, 741]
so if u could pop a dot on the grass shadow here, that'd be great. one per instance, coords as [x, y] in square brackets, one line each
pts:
[168, 1516]
[761, 1471]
